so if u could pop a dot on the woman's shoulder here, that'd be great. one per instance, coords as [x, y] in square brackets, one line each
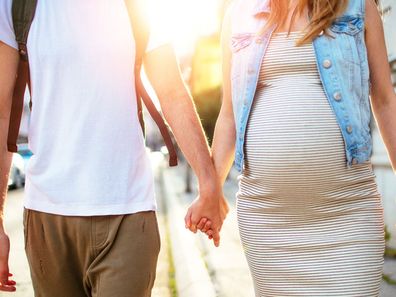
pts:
[241, 15]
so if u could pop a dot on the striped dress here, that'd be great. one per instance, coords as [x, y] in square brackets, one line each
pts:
[310, 226]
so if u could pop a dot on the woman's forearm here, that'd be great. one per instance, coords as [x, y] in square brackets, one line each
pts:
[223, 148]
[385, 115]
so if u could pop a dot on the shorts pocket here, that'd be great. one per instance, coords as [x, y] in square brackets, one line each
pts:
[26, 216]
[158, 234]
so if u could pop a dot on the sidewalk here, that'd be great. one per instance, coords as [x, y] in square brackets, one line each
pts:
[226, 266]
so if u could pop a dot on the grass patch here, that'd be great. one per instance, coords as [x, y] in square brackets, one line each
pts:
[391, 253]
[172, 272]
[389, 280]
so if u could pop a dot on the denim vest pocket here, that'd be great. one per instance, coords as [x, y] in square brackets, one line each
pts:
[239, 45]
[346, 32]
[350, 25]
[240, 41]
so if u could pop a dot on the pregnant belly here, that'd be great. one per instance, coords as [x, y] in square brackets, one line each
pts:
[294, 146]
[292, 135]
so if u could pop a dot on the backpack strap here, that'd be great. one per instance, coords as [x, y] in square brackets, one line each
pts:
[23, 12]
[140, 26]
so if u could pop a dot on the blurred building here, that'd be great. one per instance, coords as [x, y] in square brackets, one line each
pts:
[386, 179]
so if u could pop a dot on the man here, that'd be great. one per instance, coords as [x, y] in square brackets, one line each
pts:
[90, 225]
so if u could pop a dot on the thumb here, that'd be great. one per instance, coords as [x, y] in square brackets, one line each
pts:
[216, 238]
[4, 274]
[187, 219]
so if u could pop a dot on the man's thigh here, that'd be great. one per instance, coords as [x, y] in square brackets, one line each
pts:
[92, 256]
[57, 249]
[125, 265]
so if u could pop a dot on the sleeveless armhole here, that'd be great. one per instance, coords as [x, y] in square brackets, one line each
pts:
[7, 34]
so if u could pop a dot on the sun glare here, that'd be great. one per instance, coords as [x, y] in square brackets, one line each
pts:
[183, 21]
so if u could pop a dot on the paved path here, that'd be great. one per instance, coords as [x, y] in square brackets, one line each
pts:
[227, 265]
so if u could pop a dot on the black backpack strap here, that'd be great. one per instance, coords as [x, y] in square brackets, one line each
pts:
[23, 12]
[138, 15]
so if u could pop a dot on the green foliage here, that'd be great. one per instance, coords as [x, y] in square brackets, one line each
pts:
[208, 106]
[388, 251]
[172, 273]
[387, 234]
[206, 78]
[389, 280]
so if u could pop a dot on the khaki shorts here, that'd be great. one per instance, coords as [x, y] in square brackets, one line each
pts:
[99, 256]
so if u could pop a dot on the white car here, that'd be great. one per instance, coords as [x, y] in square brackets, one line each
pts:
[16, 178]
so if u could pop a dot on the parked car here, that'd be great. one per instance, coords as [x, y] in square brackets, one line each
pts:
[24, 151]
[16, 178]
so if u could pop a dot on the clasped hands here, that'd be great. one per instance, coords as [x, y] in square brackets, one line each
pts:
[207, 213]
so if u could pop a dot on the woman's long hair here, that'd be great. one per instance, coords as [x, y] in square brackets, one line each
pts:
[322, 13]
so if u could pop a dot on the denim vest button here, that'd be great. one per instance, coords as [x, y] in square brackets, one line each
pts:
[349, 129]
[321, 33]
[354, 161]
[337, 96]
[327, 64]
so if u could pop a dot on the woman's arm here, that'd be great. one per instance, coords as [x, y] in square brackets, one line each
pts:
[223, 147]
[383, 97]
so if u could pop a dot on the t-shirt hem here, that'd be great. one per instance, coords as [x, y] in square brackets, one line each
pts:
[12, 44]
[91, 210]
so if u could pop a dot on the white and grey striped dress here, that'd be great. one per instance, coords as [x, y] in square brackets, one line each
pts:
[310, 226]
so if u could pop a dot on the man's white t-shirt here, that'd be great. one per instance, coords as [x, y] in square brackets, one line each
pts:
[89, 153]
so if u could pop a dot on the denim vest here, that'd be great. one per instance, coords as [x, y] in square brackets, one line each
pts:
[342, 62]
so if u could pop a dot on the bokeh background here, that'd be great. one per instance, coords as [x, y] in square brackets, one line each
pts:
[193, 27]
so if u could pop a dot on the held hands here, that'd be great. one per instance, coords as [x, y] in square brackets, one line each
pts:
[207, 214]
[6, 284]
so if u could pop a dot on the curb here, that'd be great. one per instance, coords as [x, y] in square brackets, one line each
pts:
[192, 276]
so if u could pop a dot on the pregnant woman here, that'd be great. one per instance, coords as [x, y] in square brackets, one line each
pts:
[297, 80]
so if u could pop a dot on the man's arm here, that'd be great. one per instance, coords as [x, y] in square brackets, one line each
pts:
[383, 97]
[164, 74]
[8, 68]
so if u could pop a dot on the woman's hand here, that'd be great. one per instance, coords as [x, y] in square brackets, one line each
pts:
[205, 225]
[208, 211]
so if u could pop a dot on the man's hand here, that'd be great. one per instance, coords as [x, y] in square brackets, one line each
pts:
[163, 72]
[208, 211]
[6, 284]
[9, 59]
